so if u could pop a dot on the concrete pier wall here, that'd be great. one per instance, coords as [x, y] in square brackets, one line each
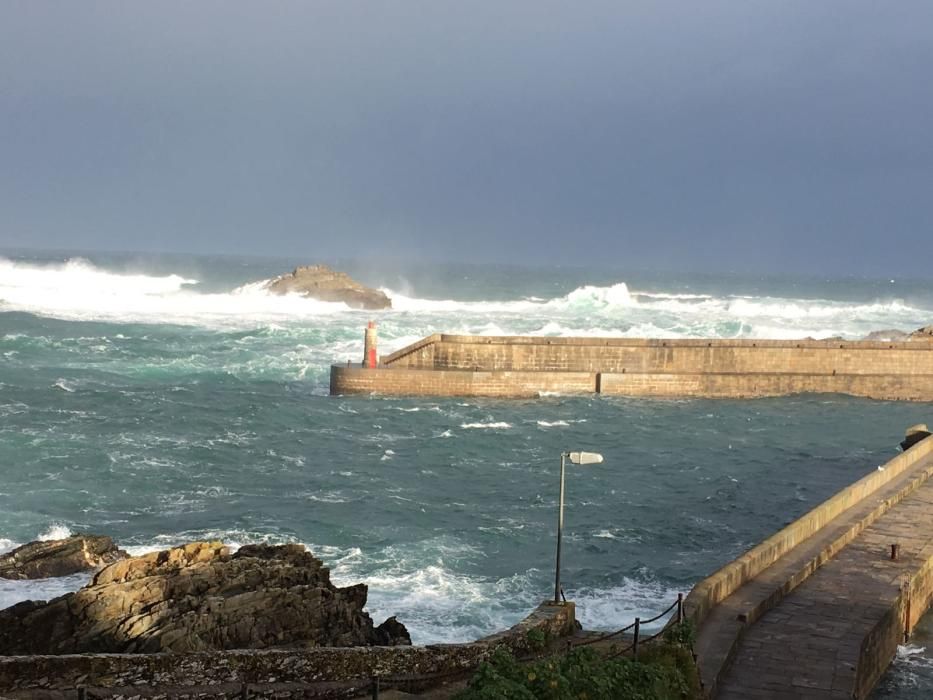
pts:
[523, 366]
[724, 582]
[819, 608]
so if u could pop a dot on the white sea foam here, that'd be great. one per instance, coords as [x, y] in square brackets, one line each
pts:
[327, 497]
[496, 425]
[64, 385]
[13, 592]
[613, 608]
[415, 582]
[79, 290]
[910, 670]
[553, 424]
[56, 531]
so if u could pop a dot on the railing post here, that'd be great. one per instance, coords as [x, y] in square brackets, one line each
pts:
[82, 693]
[244, 691]
[635, 643]
[680, 608]
[375, 686]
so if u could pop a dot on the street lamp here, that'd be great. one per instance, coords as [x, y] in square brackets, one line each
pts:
[575, 458]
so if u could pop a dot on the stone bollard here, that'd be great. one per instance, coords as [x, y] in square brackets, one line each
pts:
[913, 435]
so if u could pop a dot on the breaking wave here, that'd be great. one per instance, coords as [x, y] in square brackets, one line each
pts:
[79, 290]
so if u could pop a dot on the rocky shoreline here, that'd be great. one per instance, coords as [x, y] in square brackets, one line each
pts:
[200, 621]
[196, 597]
[53, 558]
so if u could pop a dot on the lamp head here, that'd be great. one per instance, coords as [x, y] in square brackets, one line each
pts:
[585, 457]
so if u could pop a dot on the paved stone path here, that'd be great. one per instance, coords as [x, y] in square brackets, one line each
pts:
[808, 645]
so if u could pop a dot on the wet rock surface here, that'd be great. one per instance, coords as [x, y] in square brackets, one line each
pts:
[199, 597]
[53, 558]
[326, 284]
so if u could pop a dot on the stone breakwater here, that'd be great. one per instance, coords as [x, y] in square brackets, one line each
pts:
[528, 366]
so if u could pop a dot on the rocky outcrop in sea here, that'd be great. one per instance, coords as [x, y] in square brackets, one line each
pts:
[323, 283]
[59, 557]
[200, 597]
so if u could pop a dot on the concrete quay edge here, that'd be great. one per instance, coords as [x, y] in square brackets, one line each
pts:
[715, 653]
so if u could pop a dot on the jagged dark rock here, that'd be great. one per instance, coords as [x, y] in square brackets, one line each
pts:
[392, 633]
[925, 333]
[323, 283]
[59, 557]
[199, 597]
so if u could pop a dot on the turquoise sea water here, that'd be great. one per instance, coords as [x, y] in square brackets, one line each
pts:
[164, 400]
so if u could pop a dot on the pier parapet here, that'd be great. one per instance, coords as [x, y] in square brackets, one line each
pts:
[527, 366]
[817, 609]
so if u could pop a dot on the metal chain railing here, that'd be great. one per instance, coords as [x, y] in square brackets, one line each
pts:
[678, 604]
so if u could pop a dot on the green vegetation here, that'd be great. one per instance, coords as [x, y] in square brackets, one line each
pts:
[664, 671]
[537, 640]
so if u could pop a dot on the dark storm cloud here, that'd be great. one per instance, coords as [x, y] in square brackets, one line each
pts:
[763, 135]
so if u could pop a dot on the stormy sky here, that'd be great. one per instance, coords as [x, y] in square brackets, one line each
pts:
[772, 135]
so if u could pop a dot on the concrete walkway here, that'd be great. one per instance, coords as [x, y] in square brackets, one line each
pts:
[810, 643]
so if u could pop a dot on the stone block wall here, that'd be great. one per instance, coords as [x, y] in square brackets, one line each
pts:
[691, 356]
[523, 366]
[285, 673]
[427, 382]
[719, 585]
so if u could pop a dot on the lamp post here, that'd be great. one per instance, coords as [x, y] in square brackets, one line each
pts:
[575, 458]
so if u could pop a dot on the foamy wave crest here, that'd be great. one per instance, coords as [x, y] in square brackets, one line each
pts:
[56, 531]
[585, 298]
[78, 274]
[432, 601]
[494, 425]
[13, 592]
[401, 302]
[436, 603]
[613, 608]
[790, 309]
[77, 290]
[909, 674]
[617, 295]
